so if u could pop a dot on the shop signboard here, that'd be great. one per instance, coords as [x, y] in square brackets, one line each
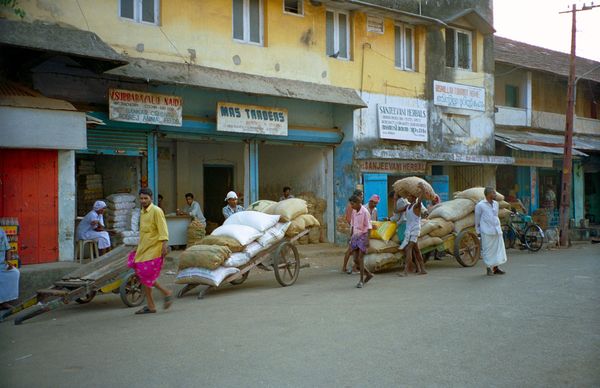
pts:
[147, 108]
[533, 162]
[393, 167]
[403, 122]
[254, 119]
[458, 96]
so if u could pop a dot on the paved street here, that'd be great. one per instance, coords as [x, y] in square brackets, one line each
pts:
[537, 326]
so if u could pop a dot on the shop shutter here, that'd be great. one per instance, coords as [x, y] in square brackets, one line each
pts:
[116, 142]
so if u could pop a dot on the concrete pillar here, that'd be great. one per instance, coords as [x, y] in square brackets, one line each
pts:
[529, 98]
[578, 199]
[66, 205]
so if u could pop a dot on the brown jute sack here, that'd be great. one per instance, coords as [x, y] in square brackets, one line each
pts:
[446, 227]
[464, 223]
[428, 241]
[410, 186]
[203, 256]
[223, 241]
[453, 210]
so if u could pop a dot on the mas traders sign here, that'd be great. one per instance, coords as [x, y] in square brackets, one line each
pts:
[147, 108]
[253, 119]
[403, 122]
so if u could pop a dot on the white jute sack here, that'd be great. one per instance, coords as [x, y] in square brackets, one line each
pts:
[464, 223]
[120, 205]
[428, 241]
[289, 209]
[257, 220]
[475, 194]
[379, 261]
[133, 241]
[205, 276]
[244, 234]
[237, 259]
[135, 219]
[410, 186]
[446, 227]
[453, 210]
[380, 246]
[118, 198]
[261, 205]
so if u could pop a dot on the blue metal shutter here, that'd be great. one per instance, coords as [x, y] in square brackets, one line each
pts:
[116, 141]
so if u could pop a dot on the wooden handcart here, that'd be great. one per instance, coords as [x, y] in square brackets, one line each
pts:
[108, 274]
[464, 246]
[286, 266]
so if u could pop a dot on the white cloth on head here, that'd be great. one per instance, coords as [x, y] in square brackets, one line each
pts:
[493, 251]
[9, 279]
[86, 230]
[486, 218]
[99, 205]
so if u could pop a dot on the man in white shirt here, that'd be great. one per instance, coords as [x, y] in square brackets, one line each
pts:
[488, 226]
[192, 209]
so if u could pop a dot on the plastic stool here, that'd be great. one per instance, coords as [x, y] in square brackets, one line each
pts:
[94, 253]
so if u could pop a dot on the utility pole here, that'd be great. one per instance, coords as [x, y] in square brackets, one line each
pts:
[567, 172]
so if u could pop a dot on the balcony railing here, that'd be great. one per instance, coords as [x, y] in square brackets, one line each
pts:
[545, 120]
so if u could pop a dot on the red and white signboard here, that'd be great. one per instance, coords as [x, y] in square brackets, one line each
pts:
[147, 108]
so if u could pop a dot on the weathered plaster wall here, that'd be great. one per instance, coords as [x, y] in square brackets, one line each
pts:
[66, 205]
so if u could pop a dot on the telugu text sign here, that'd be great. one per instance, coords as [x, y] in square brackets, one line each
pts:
[402, 122]
[147, 108]
[393, 167]
[458, 96]
[252, 119]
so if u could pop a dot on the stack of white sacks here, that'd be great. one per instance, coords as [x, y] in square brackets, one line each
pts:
[123, 217]
[242, 237]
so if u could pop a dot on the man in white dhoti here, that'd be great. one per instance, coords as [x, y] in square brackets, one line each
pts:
[92, 228]
[9, 275]
[488, 226]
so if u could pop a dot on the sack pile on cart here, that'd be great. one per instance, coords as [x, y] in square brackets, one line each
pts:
[243, 236]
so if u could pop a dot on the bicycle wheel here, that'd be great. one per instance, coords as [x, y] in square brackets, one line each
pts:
[534, 238]
[510, 236]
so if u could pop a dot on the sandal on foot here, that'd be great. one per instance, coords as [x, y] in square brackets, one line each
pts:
[168, 302]
[145, 310]
[360, 285]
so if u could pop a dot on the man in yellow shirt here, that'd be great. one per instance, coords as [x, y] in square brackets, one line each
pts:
[147, 260]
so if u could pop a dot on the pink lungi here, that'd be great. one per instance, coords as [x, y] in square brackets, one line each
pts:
[146, 271]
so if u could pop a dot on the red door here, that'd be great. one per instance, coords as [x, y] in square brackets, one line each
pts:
[29, 191]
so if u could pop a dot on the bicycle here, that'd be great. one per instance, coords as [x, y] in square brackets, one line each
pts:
[521, 227]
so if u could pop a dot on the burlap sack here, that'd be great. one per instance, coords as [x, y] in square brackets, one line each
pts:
[504, 215]
[380, 246]
[475, 194]
[203, 256]
[314, 235]
[289, 209]
[428, 241]
[195, 233]
[223, 241]
[464, 223]
[261, 205]
[504, 205]
[376, 262]
[297, 225]
[309, 220]
[446, 227]
[429, 225]
[410, 186]
[453, 210]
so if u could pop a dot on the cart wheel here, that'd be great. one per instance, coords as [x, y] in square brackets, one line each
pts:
[286, 263]
[131, 292]
[240, 280]
[86, 299]
[467, 248]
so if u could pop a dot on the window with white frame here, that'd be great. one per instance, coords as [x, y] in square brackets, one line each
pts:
[459, 48]
[140, 11]
[295, 7]
[338, 34]
[404, 47]
[248, 21]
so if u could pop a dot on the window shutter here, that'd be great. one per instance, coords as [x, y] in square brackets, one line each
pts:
[450, 47]
[238, 19]
[330, 31]
[398, 43]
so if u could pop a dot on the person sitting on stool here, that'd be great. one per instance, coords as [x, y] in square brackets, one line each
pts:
[92, 228]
